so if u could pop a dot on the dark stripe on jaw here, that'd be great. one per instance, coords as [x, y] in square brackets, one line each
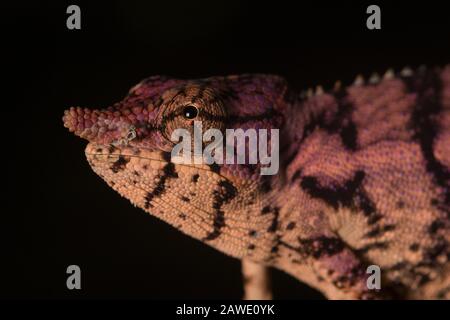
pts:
[428, 106]
[225, 194]
[168, 173]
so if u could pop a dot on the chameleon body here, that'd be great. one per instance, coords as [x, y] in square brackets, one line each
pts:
[364, 175]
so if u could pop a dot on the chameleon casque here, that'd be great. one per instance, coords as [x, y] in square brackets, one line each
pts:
[364, 175]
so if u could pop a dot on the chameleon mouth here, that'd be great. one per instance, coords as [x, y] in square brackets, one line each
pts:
[147, 178]
[191, 196]
[144, 176]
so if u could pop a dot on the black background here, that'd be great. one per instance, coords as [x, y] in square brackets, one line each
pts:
[57, 212]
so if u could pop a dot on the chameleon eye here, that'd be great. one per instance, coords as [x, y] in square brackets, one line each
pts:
[192, 102]
[190, 112]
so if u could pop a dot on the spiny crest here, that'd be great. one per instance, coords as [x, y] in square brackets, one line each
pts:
[360, 80]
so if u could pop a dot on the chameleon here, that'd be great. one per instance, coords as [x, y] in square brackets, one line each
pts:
[364, 175]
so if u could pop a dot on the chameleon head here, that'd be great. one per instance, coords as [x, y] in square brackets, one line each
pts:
[129, 147]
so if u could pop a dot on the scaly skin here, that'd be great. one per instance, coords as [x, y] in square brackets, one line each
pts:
[364, 175]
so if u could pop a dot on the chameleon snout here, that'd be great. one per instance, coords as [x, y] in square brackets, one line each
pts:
[97, 126]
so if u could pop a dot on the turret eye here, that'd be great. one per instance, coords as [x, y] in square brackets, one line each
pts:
[190, 112]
